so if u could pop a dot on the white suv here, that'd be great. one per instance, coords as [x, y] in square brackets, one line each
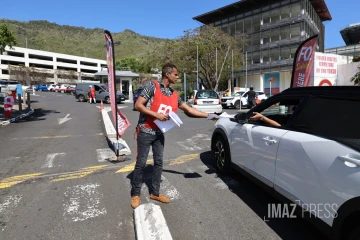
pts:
[234, 100]
[312, 159]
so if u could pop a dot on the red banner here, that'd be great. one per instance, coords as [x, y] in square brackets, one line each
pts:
[119, 118]
[303, 63]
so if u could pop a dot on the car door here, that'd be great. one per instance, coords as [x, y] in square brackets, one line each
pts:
[318, 164]
[255, 144]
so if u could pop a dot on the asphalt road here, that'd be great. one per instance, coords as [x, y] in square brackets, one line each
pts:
[55, 181]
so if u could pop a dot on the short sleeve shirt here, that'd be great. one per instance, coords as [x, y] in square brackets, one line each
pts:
[148, 94]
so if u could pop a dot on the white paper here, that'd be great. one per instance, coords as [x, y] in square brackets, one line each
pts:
[225, 115]
[215, 116]
[165, 126]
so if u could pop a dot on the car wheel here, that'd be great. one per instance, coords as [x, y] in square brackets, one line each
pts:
[237, 104]
[221, 154]
[81, 98]
[107, 100]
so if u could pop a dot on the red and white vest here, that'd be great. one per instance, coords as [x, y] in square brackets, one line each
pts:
[161, 104]
[8, 103]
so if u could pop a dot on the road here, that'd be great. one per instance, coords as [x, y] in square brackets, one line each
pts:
[57, 184]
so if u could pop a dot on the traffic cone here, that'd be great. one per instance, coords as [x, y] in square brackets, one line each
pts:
[101, 106]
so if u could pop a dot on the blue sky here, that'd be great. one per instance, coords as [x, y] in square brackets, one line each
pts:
[163, 19]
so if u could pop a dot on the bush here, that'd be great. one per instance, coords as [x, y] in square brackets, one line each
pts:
[356, 59]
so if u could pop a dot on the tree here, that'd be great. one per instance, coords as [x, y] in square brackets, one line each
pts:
[356, 78]
[7, 38]
[133, 64]
[183, 52]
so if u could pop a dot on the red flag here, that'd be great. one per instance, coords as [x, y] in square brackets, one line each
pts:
[120, 118]
[303, 63]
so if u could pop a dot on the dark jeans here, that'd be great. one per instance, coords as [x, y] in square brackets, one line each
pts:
[144, 141]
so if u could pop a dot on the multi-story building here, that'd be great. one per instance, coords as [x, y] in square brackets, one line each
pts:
[50, 63]
[351, 36]
[274, 29]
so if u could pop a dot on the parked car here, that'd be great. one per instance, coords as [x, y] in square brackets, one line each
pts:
[70, 89]
[62, 88]
[312, 159]
[51, 87]
[136, 95]
[41, 87]
[205, 101]
[234, 101]
[101, 90]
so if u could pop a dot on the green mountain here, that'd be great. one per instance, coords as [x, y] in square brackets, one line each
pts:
[80, 41]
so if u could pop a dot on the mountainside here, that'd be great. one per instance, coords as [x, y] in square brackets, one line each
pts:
[80, 41]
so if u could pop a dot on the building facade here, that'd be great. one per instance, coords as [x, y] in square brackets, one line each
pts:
[50, 63]
[274, 29]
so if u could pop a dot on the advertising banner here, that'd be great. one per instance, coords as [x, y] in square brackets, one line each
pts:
[119, 118]
[271, 83]
[303, 63]
[325, 69]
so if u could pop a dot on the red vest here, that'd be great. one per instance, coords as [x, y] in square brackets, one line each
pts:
[161, 104]
[8, 103]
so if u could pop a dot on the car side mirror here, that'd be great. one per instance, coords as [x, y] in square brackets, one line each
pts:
[241, 118]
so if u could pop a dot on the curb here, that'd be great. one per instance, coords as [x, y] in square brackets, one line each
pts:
[150, 223]
[7, 122]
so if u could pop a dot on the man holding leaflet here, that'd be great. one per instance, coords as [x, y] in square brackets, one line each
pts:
[155, 102]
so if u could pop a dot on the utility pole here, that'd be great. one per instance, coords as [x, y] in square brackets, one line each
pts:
[216, 64]
[229, 81]
[246, 72]
[197, 67]
[184, 86]
[232, 67]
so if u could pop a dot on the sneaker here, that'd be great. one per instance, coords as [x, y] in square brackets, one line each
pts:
[135, 201]
[160, 198]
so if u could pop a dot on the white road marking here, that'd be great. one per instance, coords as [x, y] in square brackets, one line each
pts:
[83, 202]
[190, 145]
[6, 208]
[104, 154]
[49, 162]
[166, 188]
[65, 119]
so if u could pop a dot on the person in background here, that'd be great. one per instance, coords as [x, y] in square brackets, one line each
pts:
[251, 95]
[92, 94]
[156, 100]
[8, 104]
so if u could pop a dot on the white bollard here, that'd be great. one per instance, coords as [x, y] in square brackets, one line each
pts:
[34, 91]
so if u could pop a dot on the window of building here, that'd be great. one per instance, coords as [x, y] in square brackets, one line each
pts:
[293, 50]
[256, 57]
[225, 28]
[285, 53]
[256, 41]
[256, 21]
[240, 26]
[266, 37]
[232, 29]
[274, 54]
[295, 30]
[247, 25]
[275, 15]
[265, 56]
[285, 12]
[266, 17]
[275, 34]
[295, 9]
[285, 32]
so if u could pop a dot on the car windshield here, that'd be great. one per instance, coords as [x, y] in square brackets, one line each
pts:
[206, 94]
[237, 94]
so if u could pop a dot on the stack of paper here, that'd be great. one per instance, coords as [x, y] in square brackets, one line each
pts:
[165, 126]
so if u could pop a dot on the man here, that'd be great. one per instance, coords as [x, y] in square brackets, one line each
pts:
[92, 94]
[156, 100]
[251, 95]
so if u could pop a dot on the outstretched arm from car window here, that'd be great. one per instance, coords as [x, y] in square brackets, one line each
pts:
[258, 116]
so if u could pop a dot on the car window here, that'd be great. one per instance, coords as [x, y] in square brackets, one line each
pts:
[97, 88]
[279, 110]
[333, 118]
[206, 94]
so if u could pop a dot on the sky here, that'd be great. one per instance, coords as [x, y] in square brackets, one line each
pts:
[162, 19]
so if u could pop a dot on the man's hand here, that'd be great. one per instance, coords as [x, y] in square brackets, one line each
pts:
[162, 117]
[213, 117]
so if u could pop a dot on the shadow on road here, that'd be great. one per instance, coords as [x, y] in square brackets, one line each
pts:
[259, 200]
[38, 115]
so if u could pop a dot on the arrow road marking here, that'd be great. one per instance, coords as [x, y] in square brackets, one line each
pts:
[65, 119]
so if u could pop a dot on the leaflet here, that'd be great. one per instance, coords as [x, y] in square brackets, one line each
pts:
[165, 126]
